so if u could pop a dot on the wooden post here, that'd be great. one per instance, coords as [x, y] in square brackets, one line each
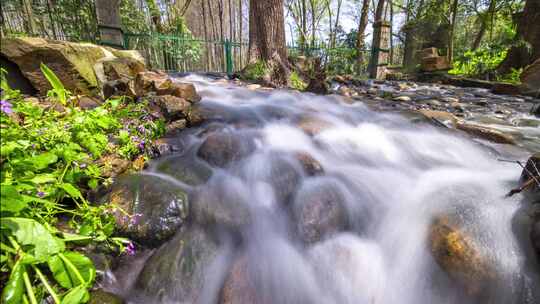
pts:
[109, 25]
[380, 50]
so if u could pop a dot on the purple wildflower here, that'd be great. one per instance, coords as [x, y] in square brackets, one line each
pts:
[141, 129]
[41, 194]
[130, 249]
[135, 218]
[141, 145]
[5, 107]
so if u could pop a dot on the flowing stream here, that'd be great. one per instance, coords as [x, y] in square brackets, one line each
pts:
[312, 200]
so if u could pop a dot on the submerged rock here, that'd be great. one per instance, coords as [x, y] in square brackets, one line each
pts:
[238, 287]
[152, 209]
[458, 255]
[311, 166]
[446, 118]
[320, 210]
[101, 296]
[486, 133]
[313, 125]
[222, 202]
[175, 273]
[221, 148]
[185, 169]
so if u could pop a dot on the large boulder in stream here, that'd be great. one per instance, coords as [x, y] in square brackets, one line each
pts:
[222, 202]
[530, 79]
[175, 273]
[221, 148]
[150, 209]
[458, 255]
[320, 210]
[486, 133]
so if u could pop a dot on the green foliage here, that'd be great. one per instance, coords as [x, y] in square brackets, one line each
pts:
[478, 63]
[255, 71]
[49, 158]
[297, 82]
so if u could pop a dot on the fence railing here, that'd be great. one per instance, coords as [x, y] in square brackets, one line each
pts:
[177, 53]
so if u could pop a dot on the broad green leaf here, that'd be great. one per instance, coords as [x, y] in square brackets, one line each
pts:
[8, 147]
[71, 190]
[93, 183]
[11, 200]
[66, 275]
[76, 295]
[14, 288]
[43, 160]
[28, 232]
[56, 84]
[43, 178]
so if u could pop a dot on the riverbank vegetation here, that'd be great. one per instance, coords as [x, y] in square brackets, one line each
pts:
[53, 155]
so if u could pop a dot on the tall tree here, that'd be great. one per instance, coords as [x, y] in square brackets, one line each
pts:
[267, 38]
[451, 32]
[362, 25]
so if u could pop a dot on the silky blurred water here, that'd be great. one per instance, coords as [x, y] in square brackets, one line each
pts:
[394, 178]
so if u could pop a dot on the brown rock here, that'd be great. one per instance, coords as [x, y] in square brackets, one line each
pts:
[313, 125]
[113, 165]
[442, 116]
[119, 87]
[505, 89]
[238, 287]
[530, 79]
[486, 133]
[173, 107]
[73, 63]
[221, 148]
[86, 102]
[186, 91]
[118, 68]
[457, 254]
[148, 82]
[311, 166]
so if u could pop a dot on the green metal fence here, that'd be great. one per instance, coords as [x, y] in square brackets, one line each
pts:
[178, 53]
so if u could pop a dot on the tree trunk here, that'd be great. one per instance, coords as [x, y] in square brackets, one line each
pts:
[109, 25]
[519, 56]
[29, 12]
[379, 53]
[483, 25]
[155, 15]
[451, 34]
[361, 35]
[268, 38]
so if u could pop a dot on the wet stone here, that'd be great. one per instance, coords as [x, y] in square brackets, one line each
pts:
[219, 149]
[320, 210]
[150, 209]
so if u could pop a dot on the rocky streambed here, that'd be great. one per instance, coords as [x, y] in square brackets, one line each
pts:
[392, 193]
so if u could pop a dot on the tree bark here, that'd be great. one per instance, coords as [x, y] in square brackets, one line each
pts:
[527, 30]
[267, 38]
[483, 25]
[451, 34]
[360, 36]
[108, 16]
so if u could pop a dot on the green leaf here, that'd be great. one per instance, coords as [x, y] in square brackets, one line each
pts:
[93, 183]
[28, 232]
[43, 178]
[56, 84]
[67, 275]
[76, 295]
[11, 200]
[43, 160]
[71, 190]
[14, 288]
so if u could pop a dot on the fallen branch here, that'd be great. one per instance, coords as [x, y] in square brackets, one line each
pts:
[533, 178]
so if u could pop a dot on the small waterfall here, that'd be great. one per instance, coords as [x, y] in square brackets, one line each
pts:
[308, 199]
